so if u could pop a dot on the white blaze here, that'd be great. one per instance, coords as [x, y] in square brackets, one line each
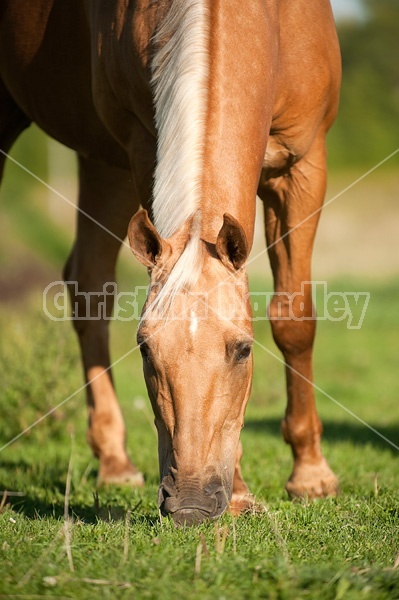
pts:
[193, 323]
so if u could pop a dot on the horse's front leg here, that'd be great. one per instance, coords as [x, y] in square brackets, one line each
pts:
[290, 234]
[108, 196]
[242, 500]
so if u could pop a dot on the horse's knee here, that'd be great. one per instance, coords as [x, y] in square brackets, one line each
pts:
[293, 324]
[302, 433]
[293, 338]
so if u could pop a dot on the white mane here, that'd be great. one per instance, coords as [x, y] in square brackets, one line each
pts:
[180, 76]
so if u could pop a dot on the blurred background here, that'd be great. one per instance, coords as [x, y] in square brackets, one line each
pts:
[356, 249]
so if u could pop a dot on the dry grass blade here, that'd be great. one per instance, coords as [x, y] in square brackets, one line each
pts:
[52, 581]
[3, 501]
[376, 485]
[126, 539]
[204, 546]
[85, 475]
[120, 584]
[67, 520]
[198, 558]
[221, 534]
[63, 531]
[96, 503]
[234, 537]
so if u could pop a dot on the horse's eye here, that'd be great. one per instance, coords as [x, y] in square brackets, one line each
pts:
[243, 352]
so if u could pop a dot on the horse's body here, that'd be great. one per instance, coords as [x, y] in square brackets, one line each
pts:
[240, 102]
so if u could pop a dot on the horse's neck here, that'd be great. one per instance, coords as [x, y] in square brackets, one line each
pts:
[239, 112]
[214, 119]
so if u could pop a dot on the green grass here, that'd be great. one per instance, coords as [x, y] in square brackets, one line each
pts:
[340, 548]
[336, 548]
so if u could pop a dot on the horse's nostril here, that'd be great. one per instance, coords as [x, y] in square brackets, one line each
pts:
[162, 495]
[221, 498]
[170, 505]
[216, 490]
[167, 495]
[166, 502]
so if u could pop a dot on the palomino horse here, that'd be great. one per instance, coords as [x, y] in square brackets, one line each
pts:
[189, 108]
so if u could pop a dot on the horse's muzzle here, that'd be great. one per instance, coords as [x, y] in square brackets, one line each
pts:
[189, 503]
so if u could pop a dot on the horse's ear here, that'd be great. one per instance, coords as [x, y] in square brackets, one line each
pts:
[231, 244]
[145, 242]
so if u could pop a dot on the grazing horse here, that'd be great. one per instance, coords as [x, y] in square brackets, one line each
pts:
[190, 108]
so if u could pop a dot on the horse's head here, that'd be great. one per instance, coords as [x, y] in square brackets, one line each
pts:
[195, 338]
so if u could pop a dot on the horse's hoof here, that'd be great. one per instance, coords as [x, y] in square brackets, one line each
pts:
[312, 481]
[112, 472]
[126, 479]
[241, 504]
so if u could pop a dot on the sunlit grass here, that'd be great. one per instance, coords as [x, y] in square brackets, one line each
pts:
[337, 548]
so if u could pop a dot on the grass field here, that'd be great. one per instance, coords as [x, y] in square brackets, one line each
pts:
[337, 548]
[60, 537]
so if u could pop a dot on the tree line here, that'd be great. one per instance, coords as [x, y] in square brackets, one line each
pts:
[367, 127]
